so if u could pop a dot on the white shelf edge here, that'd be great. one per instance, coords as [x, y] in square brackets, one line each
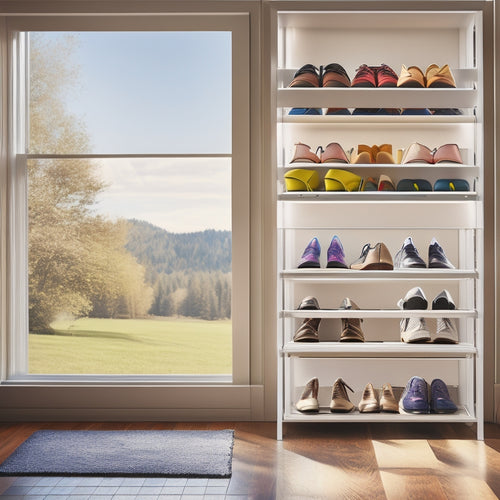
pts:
[379, 195]
[323, 274]
[379, 313]
[380, 119]
[371, 166]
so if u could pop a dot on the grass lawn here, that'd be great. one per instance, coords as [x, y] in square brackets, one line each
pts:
[133, 346]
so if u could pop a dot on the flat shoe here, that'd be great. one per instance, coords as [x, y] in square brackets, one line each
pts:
[341, 180]
[300, 179]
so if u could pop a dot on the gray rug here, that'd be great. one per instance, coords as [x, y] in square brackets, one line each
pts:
[123, 453]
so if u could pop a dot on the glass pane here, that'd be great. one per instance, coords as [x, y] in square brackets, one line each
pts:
[130, 266]
[134, 92]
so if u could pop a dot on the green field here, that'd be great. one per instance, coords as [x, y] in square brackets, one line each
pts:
[133, 346]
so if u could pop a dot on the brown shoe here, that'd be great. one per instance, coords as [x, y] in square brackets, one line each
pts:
[351, 327]
[439, 77]
[388, 402]
[308, 402]
[340, 400]
[309, 302]
[308, 331]
[377, 257]
[411, 77]
[369, 402]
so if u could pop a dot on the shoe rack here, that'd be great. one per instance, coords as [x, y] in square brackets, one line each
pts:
[352, 38]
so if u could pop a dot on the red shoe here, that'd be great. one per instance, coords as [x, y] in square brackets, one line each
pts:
[386, 76]
[365, 77]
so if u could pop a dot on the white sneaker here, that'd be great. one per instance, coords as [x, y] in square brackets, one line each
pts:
[446, 332]
[414, 330]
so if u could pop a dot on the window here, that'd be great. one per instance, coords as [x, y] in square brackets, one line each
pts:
[129, 170]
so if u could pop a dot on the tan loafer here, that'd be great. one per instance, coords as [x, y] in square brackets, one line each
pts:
[388, 402]
[369, 402]
[411, 77]
[437, 77]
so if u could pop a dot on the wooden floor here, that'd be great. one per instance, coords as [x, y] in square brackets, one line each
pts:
[330, 461]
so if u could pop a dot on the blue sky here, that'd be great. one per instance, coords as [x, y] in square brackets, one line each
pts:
[159, 93]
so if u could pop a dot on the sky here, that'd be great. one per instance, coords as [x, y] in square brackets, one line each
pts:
[155, 93]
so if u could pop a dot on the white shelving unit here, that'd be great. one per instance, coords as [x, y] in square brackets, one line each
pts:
[352, 38]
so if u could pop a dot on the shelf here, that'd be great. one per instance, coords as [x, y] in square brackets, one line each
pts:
[405, 274]
[379, 119]
[376, 97]
[292, 415]
[379, 195]
[383, 166]
[379, 313]
[376, 349]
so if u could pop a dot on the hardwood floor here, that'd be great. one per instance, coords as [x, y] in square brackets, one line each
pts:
[330, 461]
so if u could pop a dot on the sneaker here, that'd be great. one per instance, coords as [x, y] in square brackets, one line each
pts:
[306, 76]
[414, 330]
[443, 301]
[308, 402]
[334, 75]
[305, 111]
[408, 256]
[310, 257]
[386, 77]
[351, 327]
[309, 303]
[336, 255]
[415, 398]
[414, 299]
[340, 400]
[365, 77]
[440, 398]
[308, 331]
[446, 332]
[437, 257]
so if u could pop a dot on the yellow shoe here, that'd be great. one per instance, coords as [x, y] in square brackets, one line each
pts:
[300, 179]
[341, 180]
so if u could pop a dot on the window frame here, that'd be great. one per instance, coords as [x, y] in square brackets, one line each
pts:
[14, 367]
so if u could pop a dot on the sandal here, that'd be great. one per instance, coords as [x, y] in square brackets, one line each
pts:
[341, 180]
[334, 153]
[303, 153]
[301, 179]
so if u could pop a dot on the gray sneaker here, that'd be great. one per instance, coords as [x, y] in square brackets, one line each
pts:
[446, 332]
[414, 330]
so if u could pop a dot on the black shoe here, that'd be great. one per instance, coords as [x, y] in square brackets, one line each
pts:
[443, 301]
[408, 256]
[437, 257]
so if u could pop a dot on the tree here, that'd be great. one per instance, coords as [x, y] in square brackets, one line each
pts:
[76, 257]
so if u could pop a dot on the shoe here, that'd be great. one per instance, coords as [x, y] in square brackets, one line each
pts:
[341, 180]
[383, 153]
[351, 327]
[443, 301]
[334, 75]
[414, 330]
[446, 332]
[416, 185]
[447, 153]
[310, 257]
[340, 400]
[336, 255]
[446, 111]
[301, 179]
[386, 76]
[365, 155]
[411, 77]
[365, 77]
[385, 184]
[377, 257]
[417, 153]
[451, 185]
[307, 76]
[338, 111]
[308, 331]
[388, 402]
[437, 77]
[309, 303]
[308, 402]
[440, 398]
[416, 111]
[437, 257]
[369, 402]
[369, 184]
[303, 153]
[415, 398]
[305, 111]
[334, 153]
[414, 299]
[408, 256]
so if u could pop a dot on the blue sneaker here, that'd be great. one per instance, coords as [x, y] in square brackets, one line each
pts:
[310, 257]
[415, 397]
[440, 398]
[336, 255]
[306, 111]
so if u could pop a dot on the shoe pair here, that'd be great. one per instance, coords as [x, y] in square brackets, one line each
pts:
[373, 258]
[384, 183]
[415, 397]
[370, 402]
[333, 153]
[408, 256]
[300, 179]
[308, 402]
[331, 75]
[418, 153]
[335, 255]
[435, 77]
[308, 331]
[415, 329]
[374, 154]
[375, 76]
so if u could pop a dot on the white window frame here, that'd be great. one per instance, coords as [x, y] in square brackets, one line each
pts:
[14, 159]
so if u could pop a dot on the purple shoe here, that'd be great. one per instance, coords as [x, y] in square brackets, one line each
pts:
[336, 255]
[440, 398]
[415, 398]
[310, 257]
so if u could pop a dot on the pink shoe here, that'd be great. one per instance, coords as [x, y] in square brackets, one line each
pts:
[303, 153]
[334, 153]
[447, 153]
[417, 153]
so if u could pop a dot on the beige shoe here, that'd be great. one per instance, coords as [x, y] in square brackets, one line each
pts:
[351, 327]
[369, 402]
[377, 257]
[388, 402]
[340, 400]
[308, 331]
[439, 77]
[308, 402]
